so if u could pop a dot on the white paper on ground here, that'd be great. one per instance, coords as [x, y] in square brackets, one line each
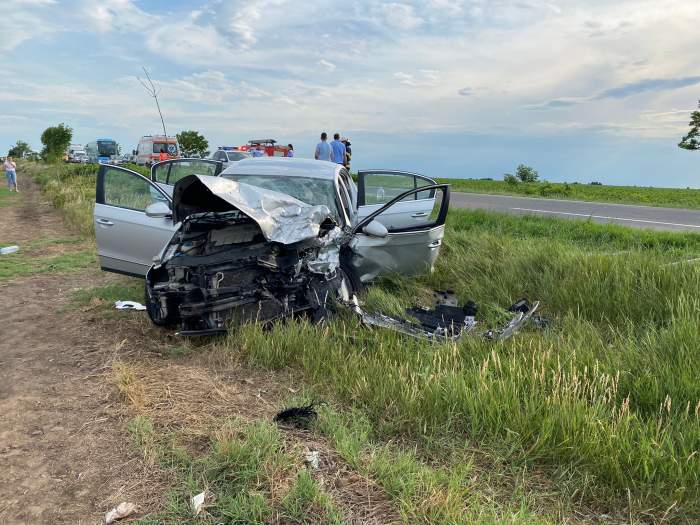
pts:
[128, 305]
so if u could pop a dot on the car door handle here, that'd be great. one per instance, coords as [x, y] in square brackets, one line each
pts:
[420, 214]
[435, 244]
[105, 222]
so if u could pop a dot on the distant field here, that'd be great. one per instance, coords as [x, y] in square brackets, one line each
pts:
[595, 414]
[647, 196]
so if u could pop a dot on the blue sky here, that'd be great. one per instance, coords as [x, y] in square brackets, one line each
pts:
[580, 89]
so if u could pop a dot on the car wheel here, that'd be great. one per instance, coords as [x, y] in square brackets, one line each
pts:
[350, 283]
[155, 311]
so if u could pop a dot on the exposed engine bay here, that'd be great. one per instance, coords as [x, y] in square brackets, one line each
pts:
[219, 269]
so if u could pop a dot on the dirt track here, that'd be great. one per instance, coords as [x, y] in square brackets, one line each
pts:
[62, 457]
[65, 456]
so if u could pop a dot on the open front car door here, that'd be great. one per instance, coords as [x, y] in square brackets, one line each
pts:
[133, 220]
[382, 247]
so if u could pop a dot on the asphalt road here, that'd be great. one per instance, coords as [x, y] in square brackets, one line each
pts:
[669, 219]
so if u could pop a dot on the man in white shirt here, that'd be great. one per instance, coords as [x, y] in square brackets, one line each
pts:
[323, 149]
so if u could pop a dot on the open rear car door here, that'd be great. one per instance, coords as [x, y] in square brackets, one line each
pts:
[410, 249]
[132, 218]
[375, 188]
[168, 172]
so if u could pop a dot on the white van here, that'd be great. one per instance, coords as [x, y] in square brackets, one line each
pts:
[150, 147]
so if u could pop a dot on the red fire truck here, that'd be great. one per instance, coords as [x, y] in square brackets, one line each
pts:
[269, 147]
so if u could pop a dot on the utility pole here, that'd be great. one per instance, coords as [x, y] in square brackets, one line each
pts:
[153, 91]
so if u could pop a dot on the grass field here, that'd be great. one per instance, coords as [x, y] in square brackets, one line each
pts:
[647, 196]
[595, 417]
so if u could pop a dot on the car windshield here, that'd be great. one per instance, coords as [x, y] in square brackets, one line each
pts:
[235, 155]
[306, 189]
[107, 149]
[168, 148]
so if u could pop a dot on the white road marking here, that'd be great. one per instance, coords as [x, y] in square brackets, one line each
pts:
[608, 218]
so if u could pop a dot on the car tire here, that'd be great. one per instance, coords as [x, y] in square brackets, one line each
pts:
[155, 313]
[351, 280]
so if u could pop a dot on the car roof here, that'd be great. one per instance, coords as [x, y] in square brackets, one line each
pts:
[285, 167]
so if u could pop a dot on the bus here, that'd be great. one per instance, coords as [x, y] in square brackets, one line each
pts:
[103, 151]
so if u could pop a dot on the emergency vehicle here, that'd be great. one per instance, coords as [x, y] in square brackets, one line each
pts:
[268, 146]
[149, 148]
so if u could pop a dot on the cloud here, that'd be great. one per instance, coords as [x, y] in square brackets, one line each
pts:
[623, 91]
[117, 15]
[424, 78]
[325, 64]
[465, 92]
[400, 16]
[652, 84]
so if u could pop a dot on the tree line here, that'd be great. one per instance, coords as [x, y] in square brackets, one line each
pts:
[56, 139]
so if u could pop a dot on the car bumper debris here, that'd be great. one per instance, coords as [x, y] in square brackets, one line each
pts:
[444, 322]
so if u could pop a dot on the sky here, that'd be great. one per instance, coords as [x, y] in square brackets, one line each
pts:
[582, 90]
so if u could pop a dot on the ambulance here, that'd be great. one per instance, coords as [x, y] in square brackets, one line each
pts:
[150, 147]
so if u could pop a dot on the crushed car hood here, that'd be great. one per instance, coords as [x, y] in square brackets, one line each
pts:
[281, 217]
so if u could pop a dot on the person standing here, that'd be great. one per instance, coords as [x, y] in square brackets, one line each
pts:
[323, 149]
[348, 152]
[11, 173]
[290, 150]
[162, 155]
[338, 150]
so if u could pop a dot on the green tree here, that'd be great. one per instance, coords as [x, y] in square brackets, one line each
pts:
[19, 149]
[510, 179]
[192, 143]
[690, 141]
[55, 140]
[526, 173]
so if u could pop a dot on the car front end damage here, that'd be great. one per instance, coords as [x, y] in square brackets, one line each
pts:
[258, 256]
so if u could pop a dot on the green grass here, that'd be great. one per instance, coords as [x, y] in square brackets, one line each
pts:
[647, 196]
[247, 469]
[606, 399]
[7, 197]
[19, 264]
[70, 188]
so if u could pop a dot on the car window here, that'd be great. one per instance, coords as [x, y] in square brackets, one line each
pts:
[380, 188]
[161, 172]
[128, 190]
[306, 189]
[182, 169]
[235, 155]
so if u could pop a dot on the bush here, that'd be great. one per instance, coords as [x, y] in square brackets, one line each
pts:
[509, 179]
[526, 173]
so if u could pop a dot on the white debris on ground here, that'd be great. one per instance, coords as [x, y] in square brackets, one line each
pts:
[311, 458]
[197, 502]
[123, 510]
[128, 305]
[9, 249]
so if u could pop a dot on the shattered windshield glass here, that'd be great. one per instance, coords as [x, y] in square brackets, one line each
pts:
[306, 189]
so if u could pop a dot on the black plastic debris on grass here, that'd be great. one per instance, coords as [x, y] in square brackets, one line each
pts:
[524, 306]
[299, 417]
[447, 321]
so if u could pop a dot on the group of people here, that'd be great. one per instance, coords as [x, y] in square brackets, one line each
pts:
[337, 150]
[11, 173]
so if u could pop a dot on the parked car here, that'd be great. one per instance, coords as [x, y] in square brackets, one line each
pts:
[228, 156]
[263, 238]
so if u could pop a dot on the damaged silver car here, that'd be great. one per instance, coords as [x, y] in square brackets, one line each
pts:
[263, 239]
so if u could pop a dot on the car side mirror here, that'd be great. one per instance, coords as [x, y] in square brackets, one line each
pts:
[375, 229]
[158, 210]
